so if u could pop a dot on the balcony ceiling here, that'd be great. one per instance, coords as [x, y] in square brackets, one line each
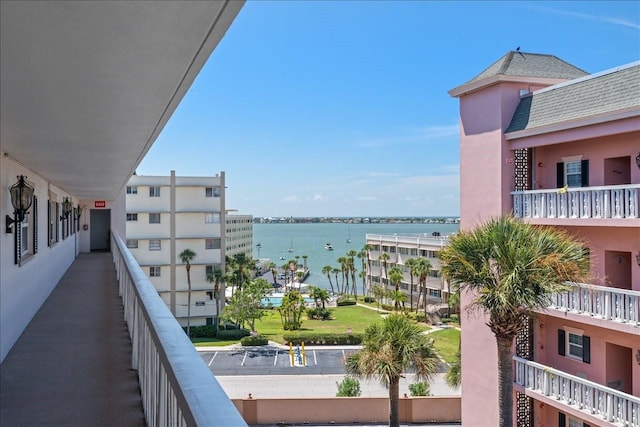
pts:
[86, 87]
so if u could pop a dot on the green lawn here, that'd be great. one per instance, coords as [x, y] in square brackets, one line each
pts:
[347, 317]
[446, 342]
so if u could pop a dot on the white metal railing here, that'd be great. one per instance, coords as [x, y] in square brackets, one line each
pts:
[611, 201]
[618, 305]
[177, 387]
[603, 402]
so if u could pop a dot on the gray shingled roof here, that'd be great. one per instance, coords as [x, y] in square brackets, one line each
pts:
[531, 65]
[603, 93]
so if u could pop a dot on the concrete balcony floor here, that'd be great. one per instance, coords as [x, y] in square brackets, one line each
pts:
[71, 366]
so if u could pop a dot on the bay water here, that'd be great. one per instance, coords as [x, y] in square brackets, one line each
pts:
[310, 239]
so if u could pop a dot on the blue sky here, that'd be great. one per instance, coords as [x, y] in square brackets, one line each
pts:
[340, 108]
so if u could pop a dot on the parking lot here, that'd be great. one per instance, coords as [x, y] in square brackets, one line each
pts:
[272, 360]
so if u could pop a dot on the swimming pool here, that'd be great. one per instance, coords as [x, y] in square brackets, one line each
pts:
[277, 301]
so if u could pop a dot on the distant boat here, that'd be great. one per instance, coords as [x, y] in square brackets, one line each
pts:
[258, 245]
[348, 239]
[328, 246]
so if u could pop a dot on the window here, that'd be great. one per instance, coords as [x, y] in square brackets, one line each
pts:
[212, 243]
[154, 271]
[132, 189]
[154, 191]
[132, 244]
[132, 217]
[154, 218]
[155, 245]
[575, 345]
[52, 219]
[26, 234]
[211, 218]
[210, 295]
[212, 192]
[573, 172]
[573, 422]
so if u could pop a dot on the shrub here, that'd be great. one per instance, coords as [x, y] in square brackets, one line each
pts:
[206, 331]
[318, 313]
[387, 307]
[419, 389]
[369, 299]
[233, 334]
[257, 340]
[342, 303]
[348, 387]
[315, 338]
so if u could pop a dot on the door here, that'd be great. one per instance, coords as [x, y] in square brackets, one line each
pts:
[100, 223]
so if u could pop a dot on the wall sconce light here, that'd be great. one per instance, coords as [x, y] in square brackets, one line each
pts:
[21, 199]
[638, 160]
[66, 208]
[78, 213]
[638, 258]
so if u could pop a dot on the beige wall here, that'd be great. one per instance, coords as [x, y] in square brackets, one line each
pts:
[347, 410]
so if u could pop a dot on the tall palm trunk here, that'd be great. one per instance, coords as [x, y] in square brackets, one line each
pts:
[189, 301]
[394, 400]
[505, 380]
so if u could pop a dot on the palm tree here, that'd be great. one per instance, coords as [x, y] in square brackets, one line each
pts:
[186, 256]
[335, 272]
[395, 277]
[398, 297]
[411, 263]
[216, 277]
[389, 348]
[304, 260]
[422, 270]
[511, 269]
[274, 273]
[327, 269]
[453, 377]
[351, 255]
[384, 257]
[343, 269]
[364, 258]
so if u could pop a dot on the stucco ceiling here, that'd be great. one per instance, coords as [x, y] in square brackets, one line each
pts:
[86, 87]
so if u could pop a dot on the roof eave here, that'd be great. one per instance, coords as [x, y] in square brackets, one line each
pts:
[468, 88]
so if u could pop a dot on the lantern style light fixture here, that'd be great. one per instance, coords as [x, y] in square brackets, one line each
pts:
[21, 200]
[66, 208]
[78, 212]
[638, 258]
[638, 160]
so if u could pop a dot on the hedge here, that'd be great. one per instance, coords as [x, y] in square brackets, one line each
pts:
[233, 334]
[342, 303]
[314, 338]
[257, 340]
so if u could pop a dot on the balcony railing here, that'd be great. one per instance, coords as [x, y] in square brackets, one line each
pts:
[177, 387]
[613, 201]
[618, 305]
[591, 398]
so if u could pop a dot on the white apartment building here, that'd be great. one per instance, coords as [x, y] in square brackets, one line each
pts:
[239, 235]
[165, 216]
[400, 248]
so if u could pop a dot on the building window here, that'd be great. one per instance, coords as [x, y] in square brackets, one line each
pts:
[154, 271]
[155, 245]
[132, 189]
[573, 172]
[212, 192]
[154, 191]
[212, 243]
[154, 218]
[132, 217]
[132, 244]
[211, 218]
[575, 345]
[210, 295]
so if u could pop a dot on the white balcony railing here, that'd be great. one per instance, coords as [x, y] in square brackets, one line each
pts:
[591, 398]
[612, 201]
[177, 387]
[618, 305]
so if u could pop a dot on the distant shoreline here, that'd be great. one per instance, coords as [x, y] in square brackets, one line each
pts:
[357, 220]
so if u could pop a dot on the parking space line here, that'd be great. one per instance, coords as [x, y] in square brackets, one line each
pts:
[315, 359]
[275, 360]
[214, 356]
[244, 358]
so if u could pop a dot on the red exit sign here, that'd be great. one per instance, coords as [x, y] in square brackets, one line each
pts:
[100, 204]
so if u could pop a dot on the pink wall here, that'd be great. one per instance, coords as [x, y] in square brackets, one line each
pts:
[594, 150]
[546, 351]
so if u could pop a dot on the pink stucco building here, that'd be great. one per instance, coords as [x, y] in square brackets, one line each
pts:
[556, 146]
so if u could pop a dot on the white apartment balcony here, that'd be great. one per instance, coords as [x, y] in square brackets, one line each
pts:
[602, 306]
[573, 394]
[614, 202]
